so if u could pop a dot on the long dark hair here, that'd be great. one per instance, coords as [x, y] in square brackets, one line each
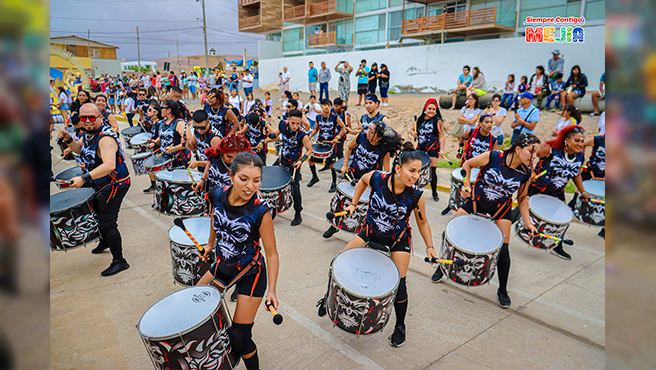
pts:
[578, 76]
[390, 140]
[521, 141]
[574, 112]
[438, 115]
[407, 154]
[174, 106]
[475, 96]
[155, 105]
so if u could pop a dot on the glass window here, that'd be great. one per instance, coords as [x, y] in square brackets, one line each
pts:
[394, 26]
[393, 3]
[362, 6]
[451, 7]
[344, 32]
[370, 30]
[292, 39]
[276, 36]
[595, 9]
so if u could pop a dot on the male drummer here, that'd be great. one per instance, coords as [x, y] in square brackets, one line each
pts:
[108, 174]
[293, 141]
[200, 138]
[222, 119]
[372, 104]
[327, 125]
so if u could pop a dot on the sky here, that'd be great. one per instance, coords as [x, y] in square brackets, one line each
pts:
[160, 22]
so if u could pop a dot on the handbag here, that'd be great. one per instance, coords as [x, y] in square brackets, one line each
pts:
[458, 129]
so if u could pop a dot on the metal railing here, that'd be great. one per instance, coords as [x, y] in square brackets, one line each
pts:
[463, 19]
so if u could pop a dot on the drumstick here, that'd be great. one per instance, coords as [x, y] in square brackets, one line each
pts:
[277, 318]
[330, 215]
[565, 241]
[60, 159]
[457, 261]
[191, 175]
[447, 159]
[159, 155]
[596, 201]
[178, 222]
[540, 175]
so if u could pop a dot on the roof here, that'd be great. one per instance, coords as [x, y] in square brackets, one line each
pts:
[75, 40]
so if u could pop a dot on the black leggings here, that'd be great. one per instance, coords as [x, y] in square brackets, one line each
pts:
[108, 208]
[296, 185]
[503, 267]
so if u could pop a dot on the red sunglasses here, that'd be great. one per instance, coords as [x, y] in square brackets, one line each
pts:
[88, 118]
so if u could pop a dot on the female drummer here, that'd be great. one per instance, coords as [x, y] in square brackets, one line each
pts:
[562, 159]
[255, 128]
[240, 218]
[108, 116]
[478, 140]
[502, 174]
[393, 198]
[596, 167]
[330, 129]
[429, 131]
[219, 161]
[152, 116]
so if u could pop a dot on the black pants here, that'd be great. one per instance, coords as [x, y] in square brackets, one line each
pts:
[262, 154]
[129, 117]
[108, 208]
[296, 185]
[339, 148]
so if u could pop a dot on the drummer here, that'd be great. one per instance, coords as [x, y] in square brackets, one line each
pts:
[331, 129]
[222, 119]
[393, 198]
[152, 116]
[200, 138]
[108, 116]
[219, 160]
[596, 167]
[429, 130]
[562, 158]
[240, 218]
[108, 175]
[340, 110]
[372, 104]
[77, 136]
[294, 139]
[478, 140]
[255, 128]
[170, 133]
[502, 174]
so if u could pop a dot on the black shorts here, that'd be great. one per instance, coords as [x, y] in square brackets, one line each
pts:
[558, 194]
[433, 150]
[244, 286]
[489, 209]
[363, 89]
[404, 245]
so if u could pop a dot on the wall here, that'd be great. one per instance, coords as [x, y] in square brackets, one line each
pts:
[100, 66]
[438, 66]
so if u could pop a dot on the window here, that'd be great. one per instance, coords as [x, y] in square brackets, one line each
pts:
[370, 30]
[362, 6]
[451, 7]
[276, 36]
[344, 32]
[94, 53]
[394, 27]
[292, 39]
[595, 9]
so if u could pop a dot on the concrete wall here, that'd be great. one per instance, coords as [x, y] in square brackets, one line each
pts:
[436, 67]
[100, 66]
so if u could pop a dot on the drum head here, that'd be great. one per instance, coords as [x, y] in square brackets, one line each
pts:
[274, 177]
[595, 187]
[457, 173]
[156, 160]
[69, 198]
[347, 189]
[179, 312]
[141, 155]
[321, 148]
[425, 159]
[365, 272]
[199, 227]
[69, 173]
[340, 163]
[474, 234]
[177, 176]
[132, 130]
[550, 209]
[140, 139]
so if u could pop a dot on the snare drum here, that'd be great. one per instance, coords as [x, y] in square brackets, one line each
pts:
[189, 329]
[157, 163]
[362, 288]
[342, 199]
[550, 216]
[139, 142]
[67, 175]
[424, 174]
[276, 188]
[475, 240]
[73, 222]
[322, 151]
[138, 161]
[128, 133]
[174, 194]
[457, 182]
[592, 213]
[187, 268]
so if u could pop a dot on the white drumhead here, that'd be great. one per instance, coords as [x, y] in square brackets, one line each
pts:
[178, 176]
[179, 312]
[142, 155]
[458, 175]
[474, 234]
[365, 272]
[198, 227]
[346, 188]
[595, 187]
[550, 208]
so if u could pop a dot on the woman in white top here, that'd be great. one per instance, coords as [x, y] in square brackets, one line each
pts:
[64, 100]
[499, 114]
[570, 116]
[268, 103]
[470, 113]
[235, 100]
[248, 104]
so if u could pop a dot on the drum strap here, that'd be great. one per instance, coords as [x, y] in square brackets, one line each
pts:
[369, 242]
[493, 217]
[114, 187]
[240, 275]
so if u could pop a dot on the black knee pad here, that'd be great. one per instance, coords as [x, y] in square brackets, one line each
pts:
[240, 338]
[402, 292]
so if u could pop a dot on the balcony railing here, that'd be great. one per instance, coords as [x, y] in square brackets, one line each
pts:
[294, 12]
[323, 7]
[467, 18]
[250, 22]
[248, 2]
[325, 39]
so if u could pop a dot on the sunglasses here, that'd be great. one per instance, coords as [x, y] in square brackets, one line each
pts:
[142, 94]
[89, 118]
[200, 127]
[151, 109]
[578, 129]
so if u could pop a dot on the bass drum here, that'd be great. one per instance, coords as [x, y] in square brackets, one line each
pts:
[187, 268]
[276, 188]
[592, 213]
[424, 174]
[174, 194]
[550, 216]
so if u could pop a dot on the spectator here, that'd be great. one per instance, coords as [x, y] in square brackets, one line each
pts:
[383, 81]
[312, 110]
[478, 86]
[523, 87]
[268, 104]
[191, 82]
[599, 95]
[248, 104]
[211, 80]
[557, 86]
[464, 80]
[234, 80]
[297, 97]
[324, 79]
[575, 86]
[470, 113]
[111, 96]
[317, 30]
[526, 117]
[282, 93]
[130, 108]
[286, 77]
[508, 92]
[362, 74]
[312, 79]
[235, 100]
[248, 82]
[556, 64]
[372, 79]
[174, 79]
[158, 82]
[344, 82]
[499, 114]
[538, 85]
[63, 103]
[570, 116]
[602, 123]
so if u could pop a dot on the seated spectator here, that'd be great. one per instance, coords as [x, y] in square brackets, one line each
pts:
[508, 92]
[464, 81]
[570, 116]
[557, 86]
[478, 86]
[523, 87]
[470, 113]
[599, 95]
[575, 86]
[538, 85]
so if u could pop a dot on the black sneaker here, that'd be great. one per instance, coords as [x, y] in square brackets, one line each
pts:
[149, 190]
[602, 233]
[436, 197]
[313, 181]
[100, 248]
[333, 187]
[504, 299]
[558, 251]
[330, 232]
[233, 296]
[115, 268]
[297, 219]
[325, 168]
[446, 211]
[397, 339]
[437, 275]
[322, 307]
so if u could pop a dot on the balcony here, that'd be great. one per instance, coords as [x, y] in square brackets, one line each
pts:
[330, 10]
[327, 39]
[248, 2]
[250, 22]
[465, 23]
[295, 14]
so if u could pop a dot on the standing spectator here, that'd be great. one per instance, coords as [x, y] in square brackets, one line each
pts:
[526, 117]
[286, 76]
[166, 84]
[555, 64]
[464, 80]
[599, 95]
[158, 82]
[344, 82]
[234, 80]
[211, 81]
[372, 79]
[191, 82]
[63, 103]
[538, 85]
[478, 86]
[184, 84]
[268, 104]
[282, 94]
[144, 80]
[312, 110]
[324, 79]
[248, 82]
[297, 97]
[383, 81]
[470, 113]
[312, 79]
[362, 74]
[508, 92]
[235, 100]
[248, 104]
[557, 86]
[174, 79]
[111, 96]
[130, 108]
[575, 86]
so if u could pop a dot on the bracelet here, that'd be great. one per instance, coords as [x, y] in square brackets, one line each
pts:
[86, 177]
[303, 158]
[431, 247]
[272, 291]
[70, 140]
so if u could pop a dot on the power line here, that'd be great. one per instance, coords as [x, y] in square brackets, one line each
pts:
[130, 32]
[121, 20]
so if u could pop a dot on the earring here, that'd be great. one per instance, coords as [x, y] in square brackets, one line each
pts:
[398, 174]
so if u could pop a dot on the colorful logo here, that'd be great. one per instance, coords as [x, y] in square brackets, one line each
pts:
[555, 30]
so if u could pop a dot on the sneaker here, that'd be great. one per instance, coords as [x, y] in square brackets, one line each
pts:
[325, 168]
[437, 275]
[149, 190]
[100, 248]
[333, 187]
[233, 296]
[330, 232]
[602, 233]
[322, 307]
[558, 251]
[397, 339]
[436, 197]
[313, 181]
[593, 114]
[446, 211]
[452, 108]
[115, 268]
[504, 299]
[297, 219]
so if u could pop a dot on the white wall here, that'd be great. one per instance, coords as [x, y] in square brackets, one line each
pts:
[438, 66]
[110, 66]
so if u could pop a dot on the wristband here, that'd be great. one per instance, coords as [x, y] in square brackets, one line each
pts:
[303, 158]
[86, 177]
[272, 135]
[70, 140]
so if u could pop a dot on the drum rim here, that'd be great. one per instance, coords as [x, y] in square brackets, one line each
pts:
[351, 198]
[269, 190]
[187, 331]
[192, 243]
[88, 199]
[67, 169]
[463, 180]
[516, 225]
[534, 213]
[186, 181]
[332, 275]
[133, 127]
[592, 194]
[446, 236]
[142, 153]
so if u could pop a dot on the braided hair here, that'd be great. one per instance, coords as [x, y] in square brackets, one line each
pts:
[522, 141]
[407, 154]
[390, 140]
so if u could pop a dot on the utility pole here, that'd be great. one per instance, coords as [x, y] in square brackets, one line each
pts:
[138, 53]
[177, 48]
[207, 58]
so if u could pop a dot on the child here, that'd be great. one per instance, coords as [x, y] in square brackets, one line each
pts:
[556, 88]
[508, 92]
[523, 86]
[312, 110]
[570, 116]
[298, 99]
[280, 85]
[268, 104]
[248, 104]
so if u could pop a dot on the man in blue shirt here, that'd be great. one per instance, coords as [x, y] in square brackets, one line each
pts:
[363, 83]
[599, 95]
[464, 80]
[526, 117]
[312, 79]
